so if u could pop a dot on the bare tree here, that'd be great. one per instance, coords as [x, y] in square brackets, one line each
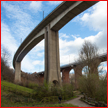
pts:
[6, 72]
[92, 85]
[5, 55]
[88, 55]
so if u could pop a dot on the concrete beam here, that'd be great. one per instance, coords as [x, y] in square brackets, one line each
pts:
[69, 13]
[25, 47]
[39, 37]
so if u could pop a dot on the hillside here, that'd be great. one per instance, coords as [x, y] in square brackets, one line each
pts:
[13, 95]
[15, 87]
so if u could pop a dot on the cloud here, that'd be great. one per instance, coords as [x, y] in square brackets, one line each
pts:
[22, 24]
[39, 46]
[63, 35]
[26, 65]
[97, 20]
[103, 66]
[7, 40]
[85, 17]
[75, 36]
[40, 54]
[36, 5]
[54, 2]
[69, 49]
[10, 43]
[21, 21]
[37, 62]
[34, 60]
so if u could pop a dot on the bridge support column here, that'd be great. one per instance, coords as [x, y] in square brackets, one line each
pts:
[78, 73]
[65, 75]
[52, 61]
[17, 72]
[94, 70]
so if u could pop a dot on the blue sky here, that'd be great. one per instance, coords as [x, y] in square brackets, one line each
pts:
[19, 18]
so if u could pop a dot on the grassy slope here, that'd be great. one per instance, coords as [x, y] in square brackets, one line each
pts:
[14, 86]
[8, 98]
[7, 102]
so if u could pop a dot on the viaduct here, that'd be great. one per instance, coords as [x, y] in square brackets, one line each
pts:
[77, 66]
[48, 29]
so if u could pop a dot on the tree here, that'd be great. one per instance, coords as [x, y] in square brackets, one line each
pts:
[88, 55]
[4, 61]
[91, 84]
[6, 72]
[5, 55]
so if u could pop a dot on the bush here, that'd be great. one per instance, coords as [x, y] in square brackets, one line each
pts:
[47, 90]
[94, 87]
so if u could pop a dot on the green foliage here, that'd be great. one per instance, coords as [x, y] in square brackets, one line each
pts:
[14, 87]
[41, 91]
[48, 90]
[32, 85]
[10, 99]
[94, 87]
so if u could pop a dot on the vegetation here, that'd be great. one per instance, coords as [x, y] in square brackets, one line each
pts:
[6, 72]
[90, 83]
[27, 80]
[93, 87]
[47, 90]
[11, 99]
[21, 101]
[88, 56]
[31, 93]
[7, 86]
[16, 95]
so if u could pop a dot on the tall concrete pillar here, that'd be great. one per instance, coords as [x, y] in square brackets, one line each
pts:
[52, 61]
[65, 75]
[17, 72]
[78, 73]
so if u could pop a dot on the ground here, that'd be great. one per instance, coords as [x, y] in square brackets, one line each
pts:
[78, 102]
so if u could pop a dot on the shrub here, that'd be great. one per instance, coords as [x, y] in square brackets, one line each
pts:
[94, 87]
[47, 90]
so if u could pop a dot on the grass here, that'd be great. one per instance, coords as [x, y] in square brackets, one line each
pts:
[16, 87]
[7, 102]
[9, 99]
[12, 99]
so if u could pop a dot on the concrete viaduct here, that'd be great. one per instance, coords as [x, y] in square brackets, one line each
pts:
[77, 66]
[48, 29]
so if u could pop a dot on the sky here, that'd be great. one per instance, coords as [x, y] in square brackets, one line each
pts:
[19, 18]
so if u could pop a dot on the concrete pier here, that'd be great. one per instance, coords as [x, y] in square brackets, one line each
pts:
[78, 73]
[52, 61]
[17, 72]
[65, 75]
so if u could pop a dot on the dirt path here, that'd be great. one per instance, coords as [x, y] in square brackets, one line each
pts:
[78, 102]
